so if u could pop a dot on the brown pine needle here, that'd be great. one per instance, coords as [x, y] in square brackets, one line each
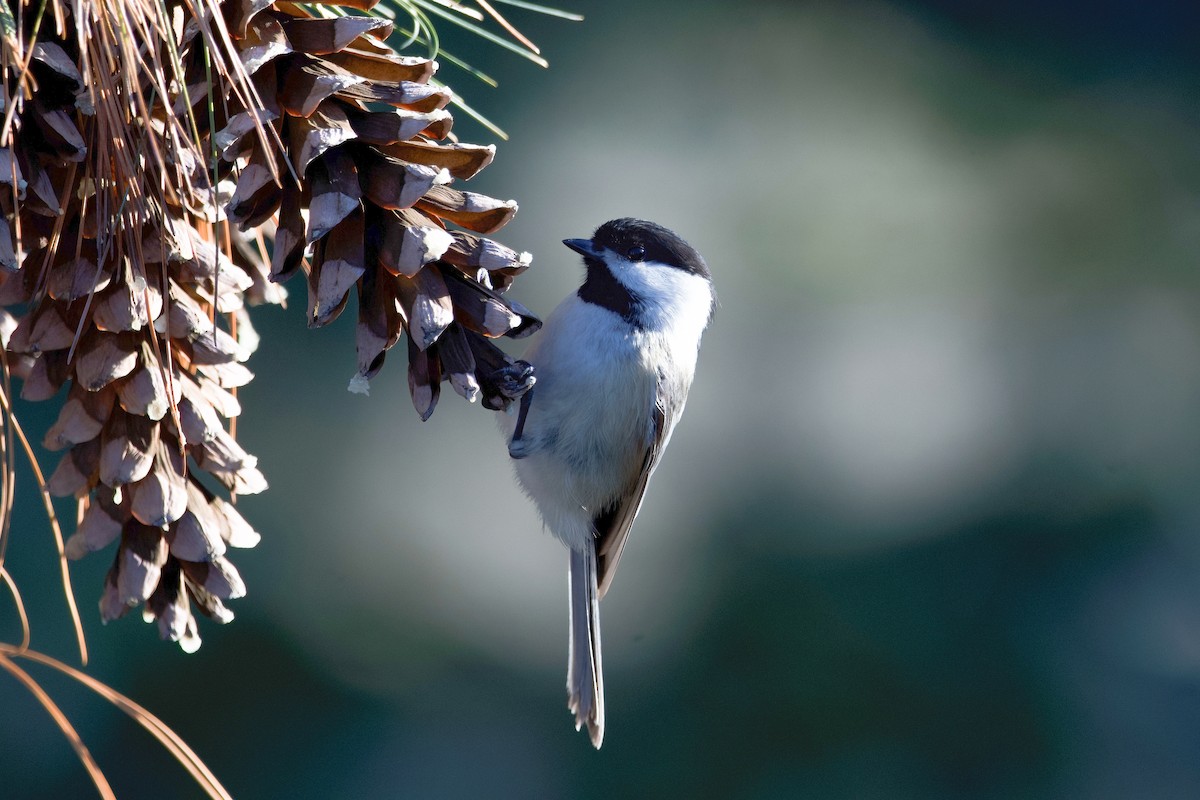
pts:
[60, 719]
[20, 604]
[157, 728]
[55, 528]
[512, 31]
[8, 480]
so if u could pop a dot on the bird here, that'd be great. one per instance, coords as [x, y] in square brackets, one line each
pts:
[601, 390]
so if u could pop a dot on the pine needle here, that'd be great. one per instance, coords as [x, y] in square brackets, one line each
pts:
[8, 480]
[20, 604]
[60, 719]
[504, 23]
[548, 11]
[55, 528]
[472, 113]
[482, 33]
[157, 728]
[456, 6]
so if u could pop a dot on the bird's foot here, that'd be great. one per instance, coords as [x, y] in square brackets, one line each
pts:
[515, 379]
[519, 448]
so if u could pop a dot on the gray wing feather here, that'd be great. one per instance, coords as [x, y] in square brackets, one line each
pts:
[612, 527]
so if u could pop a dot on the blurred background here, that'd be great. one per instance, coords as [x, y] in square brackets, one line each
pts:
[929, 529]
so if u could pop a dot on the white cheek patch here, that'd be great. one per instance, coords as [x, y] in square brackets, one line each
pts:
[672, 299]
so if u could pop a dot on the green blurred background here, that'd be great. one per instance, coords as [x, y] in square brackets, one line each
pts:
[929, 529]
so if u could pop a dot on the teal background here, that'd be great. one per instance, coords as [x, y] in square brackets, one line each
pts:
[929, 528]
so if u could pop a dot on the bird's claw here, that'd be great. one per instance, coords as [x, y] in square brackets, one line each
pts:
[515, 379]
[519, 448]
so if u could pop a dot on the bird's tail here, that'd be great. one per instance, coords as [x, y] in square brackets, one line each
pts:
[585, 676]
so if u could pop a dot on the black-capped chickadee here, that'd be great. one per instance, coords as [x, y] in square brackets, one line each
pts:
[613, 366]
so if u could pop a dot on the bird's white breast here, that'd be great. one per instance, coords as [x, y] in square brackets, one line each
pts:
[598, 376]
[590, 414]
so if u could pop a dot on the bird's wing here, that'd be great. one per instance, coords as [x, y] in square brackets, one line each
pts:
[612, 525]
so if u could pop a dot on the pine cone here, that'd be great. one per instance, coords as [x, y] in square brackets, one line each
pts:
[368, 193]
[126, 296]
[122, 278]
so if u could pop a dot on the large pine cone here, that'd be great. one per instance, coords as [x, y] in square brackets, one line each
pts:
[127, 256]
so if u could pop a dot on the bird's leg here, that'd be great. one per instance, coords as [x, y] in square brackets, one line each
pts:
[518, 447]
[515, 381]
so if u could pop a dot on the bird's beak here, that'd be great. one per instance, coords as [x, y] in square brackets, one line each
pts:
[582, 246]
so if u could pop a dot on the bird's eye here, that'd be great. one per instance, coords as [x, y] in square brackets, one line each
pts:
[636, 253]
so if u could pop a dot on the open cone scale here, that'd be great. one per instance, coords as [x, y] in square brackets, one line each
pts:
[139, 173]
